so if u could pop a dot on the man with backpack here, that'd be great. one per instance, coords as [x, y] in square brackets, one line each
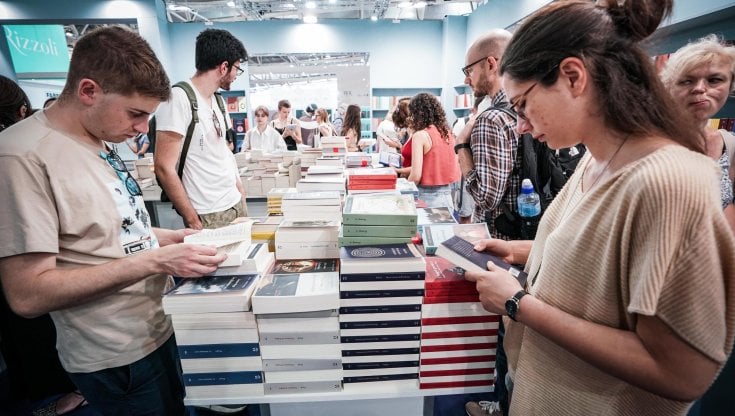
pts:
[194, 166]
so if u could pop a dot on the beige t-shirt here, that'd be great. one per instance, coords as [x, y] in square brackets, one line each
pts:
[651, 241]
[60, 196]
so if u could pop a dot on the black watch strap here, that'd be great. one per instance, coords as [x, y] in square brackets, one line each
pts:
[461, 146]
[512, 305]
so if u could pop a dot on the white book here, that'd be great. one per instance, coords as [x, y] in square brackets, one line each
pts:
[291, 253]
[223, 391]
[439, 310]
[306, 375]
[211, 294]
[362, 346]
[454, 353]
[301, 364]
[242, 258]
[380, 386]
[381, 371]
[489, 366]
[314, 351]
[383, 317]
[325, 169]
[307, 231]
[380, 358]
[458, 340]
[223, 236]
[301, 387]
[220, 364]
[298, 324]
[459, 327]
[299, 338]
[382, 285]
[396, 300]
[213, 320]
[299, 292]
[216, 336]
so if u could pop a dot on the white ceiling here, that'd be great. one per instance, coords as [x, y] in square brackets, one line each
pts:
[181, 11]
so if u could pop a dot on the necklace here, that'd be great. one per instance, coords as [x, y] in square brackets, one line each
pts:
[607, 165]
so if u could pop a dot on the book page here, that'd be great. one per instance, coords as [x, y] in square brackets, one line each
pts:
[218, 237]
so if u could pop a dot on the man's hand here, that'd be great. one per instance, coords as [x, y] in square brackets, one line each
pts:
[188, 260]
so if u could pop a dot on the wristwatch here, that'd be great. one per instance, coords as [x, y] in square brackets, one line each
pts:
[461, 146]
[512, 304]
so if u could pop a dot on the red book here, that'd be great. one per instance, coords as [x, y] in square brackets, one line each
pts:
[458, 347]
[448, 384]
[459, 320]
[441, 274]
[459, 298]
[460, 334]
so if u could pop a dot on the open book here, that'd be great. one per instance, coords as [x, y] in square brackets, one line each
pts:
[234, 240]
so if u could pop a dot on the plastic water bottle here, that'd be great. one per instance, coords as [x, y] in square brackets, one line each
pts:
[529, 209]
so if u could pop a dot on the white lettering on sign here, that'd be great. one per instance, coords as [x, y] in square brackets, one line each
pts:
[25, 45]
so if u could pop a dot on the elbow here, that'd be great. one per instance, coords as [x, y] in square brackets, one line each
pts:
[25, 308]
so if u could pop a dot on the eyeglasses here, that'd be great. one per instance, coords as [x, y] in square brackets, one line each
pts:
[217, 126]
[467, 70]
[118, 165]
[239, 69]
[519, 107]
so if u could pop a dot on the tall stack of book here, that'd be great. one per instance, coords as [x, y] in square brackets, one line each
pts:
[365, 180]
[308, 158]
[331, 161]
[274, 199]
[458, 336]
[358, 160]
[216, 336]
[384, 218]
[381, 289]
[296, 312]
[263, 230]
[333, 145]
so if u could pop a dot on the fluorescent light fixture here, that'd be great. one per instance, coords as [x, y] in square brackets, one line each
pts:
[231, 4]
[178, 8]
[404, 4]
[374, 18]
[309, 18]
[332, 1]
[310, 5]
[420, 4]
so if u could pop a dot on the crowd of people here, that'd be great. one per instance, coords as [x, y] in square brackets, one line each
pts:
[629, 308]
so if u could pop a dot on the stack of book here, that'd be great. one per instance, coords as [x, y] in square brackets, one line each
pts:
[312, 205]
[407, 187]
[366, 180]
[381, 289]
[274, 199]
[458, 336]
[333, 145]
[235, 241]
[307, 239]
[263, 230]
[296, 312]
[331, 161]
[384, 218]
[216, 336]
[308, 158]
[358, 160]
[325, 171]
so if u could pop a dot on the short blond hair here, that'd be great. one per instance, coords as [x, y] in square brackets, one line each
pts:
[696, 53]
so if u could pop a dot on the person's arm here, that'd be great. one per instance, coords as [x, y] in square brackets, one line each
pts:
[34, 285]
[132, 145]
[488, 166]
[729, 212]
[168, 151]
[513, 252]
[419, 146]
[650, 357]
[143, 148]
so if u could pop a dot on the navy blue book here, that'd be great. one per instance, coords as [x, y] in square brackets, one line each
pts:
[380, 338]
[219, 350]
[354, 294]
[230, 377]
[379, 324]
[379, 351]
[462, 253]
[381, 258]
[381, 277]
[346, 310]
[379, 364]
[383, 377]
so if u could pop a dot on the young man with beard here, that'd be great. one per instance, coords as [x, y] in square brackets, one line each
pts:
[209, 194]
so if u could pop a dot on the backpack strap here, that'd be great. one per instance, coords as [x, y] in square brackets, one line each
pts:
[194, 120]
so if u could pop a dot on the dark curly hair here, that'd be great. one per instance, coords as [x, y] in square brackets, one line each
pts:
[12, 98]
[215, 46]
[426, 110]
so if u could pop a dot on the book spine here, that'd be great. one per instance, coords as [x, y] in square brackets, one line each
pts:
[299, 338]
[234, 377]
[487, 359]
[219, 350]
[358, 317]
[381, 277]
[378, 231]
[378, 219]
[426, 385]
[351, 294]
[460, 334]
[380, 338]
[379, 365]
[297, 387]
[450, 320]
[372, 302]
[380, 324]
[377, 378]
[370, 241]
[378, 351]
[378, 309]
[301, 364]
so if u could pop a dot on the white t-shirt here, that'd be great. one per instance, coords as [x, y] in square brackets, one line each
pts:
[210, 171]
[268, 141]
[386, 128]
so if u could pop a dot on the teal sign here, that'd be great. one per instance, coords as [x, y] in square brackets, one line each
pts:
[38, 51]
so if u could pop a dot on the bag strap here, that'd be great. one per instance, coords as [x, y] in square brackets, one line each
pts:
[194, 120]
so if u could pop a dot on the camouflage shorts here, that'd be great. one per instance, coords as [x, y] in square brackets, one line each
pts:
[222, 218]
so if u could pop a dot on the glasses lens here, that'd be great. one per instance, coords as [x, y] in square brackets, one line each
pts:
[114, 160]
[132, 185]
[118, 165]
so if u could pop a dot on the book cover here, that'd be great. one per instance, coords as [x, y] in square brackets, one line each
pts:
[379, 209]
[378, 309]
[435, 234]
[301, 292]
[252, 259]
[462, 253]
[443, 277]
[437, 215]
[223, 236]
[305, 266]
[211, 294]
[219, 350]
[393, 231]
[382, 258]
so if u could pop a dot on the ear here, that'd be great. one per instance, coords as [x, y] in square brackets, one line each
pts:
[492, 64]
[574, 75]
[88, 91]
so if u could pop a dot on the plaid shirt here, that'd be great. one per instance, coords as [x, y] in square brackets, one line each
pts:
[493, 181]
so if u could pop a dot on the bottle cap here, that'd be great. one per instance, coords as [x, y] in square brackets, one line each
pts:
[526, 186]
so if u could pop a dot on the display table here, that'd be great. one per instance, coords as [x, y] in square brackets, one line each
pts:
[359, 399]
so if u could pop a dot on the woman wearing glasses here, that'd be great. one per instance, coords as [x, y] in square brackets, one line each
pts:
[629, 307]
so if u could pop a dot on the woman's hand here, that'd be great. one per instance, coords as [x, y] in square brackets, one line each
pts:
[495, 286]
[513, 252]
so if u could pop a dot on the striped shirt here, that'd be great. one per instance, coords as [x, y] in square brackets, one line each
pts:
[493, 182]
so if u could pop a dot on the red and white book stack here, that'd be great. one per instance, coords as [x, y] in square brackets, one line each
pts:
[458, 336]
[371, 179]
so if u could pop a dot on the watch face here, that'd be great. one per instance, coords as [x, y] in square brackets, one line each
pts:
[511, 307]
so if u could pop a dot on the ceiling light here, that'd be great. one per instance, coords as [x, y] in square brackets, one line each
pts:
[309, 18]
[231, 4]
[404, 4]
[178, 8]
[374, 18]
[332, 1]
[310, 5]
[420, 5]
